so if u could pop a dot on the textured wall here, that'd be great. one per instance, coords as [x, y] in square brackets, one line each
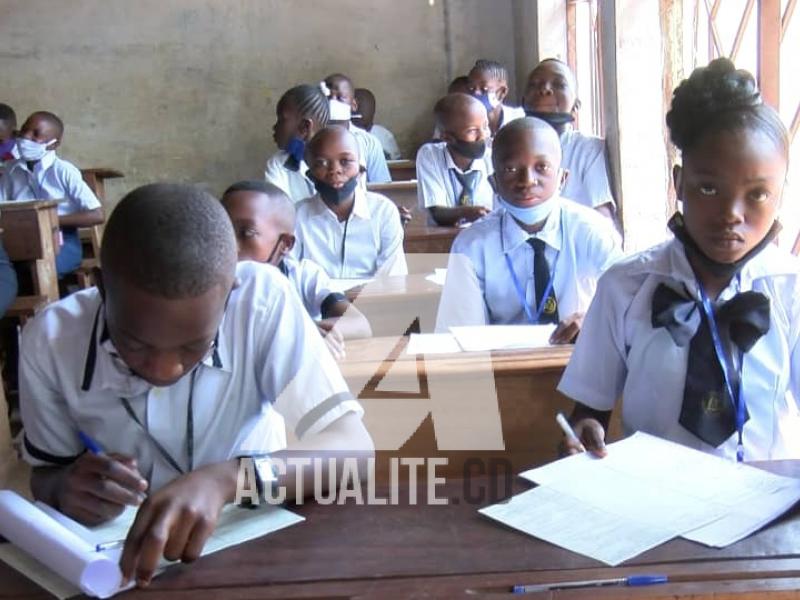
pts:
[186, 89]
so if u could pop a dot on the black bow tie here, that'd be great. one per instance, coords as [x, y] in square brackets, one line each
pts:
[707, 411]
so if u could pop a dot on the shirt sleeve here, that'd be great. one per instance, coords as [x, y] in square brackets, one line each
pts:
[275, 174]
[391, 256]
[79, 194]
[297, 369]
[390, 146]
[462, 301]
[315, 286]
[377, 169]
[595, 375]
[431, 187]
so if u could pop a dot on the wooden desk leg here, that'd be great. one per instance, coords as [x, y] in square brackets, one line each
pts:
[45, 279]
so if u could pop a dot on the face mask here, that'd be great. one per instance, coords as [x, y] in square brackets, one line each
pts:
[529, 215]
[332, 195]
[555, 119]
[7, 146]
[296, 148]
[489, 100]
[32, 151]
[678, 227]
[471, 150]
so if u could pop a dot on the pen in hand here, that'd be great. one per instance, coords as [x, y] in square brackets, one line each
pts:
[568, 431]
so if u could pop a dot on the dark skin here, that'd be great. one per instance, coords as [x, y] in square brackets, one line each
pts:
[366, 109]
[528, 173]
[482, 83]
[333, 158]
[290, 123]
[161, 340]
[7, 130]
[343, 91]
[552, 88]
[41, 129]
[731, 185]
[467, 121]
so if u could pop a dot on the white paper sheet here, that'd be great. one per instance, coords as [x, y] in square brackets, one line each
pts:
[432, 343]
[342, 285]
[235, 526]
[438, 276]
[482, 338]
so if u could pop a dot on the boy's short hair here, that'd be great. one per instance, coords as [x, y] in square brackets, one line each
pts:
[7, 114]
[326, 132]
[493, 68]
[521, 125]
[338, 76]
[51, 118]
[445, 106]
[278, 200]
[171, 240]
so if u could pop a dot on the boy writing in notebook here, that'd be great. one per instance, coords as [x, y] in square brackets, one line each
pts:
[178, 365]
[39, 174]
[699, 335]
[453, 174]
[263, 220]
[537, 257]
[348, 231]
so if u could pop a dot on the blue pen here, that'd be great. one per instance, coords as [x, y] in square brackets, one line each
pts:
[631, 581]
[90, 444]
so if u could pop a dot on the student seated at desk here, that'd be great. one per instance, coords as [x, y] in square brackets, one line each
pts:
[40, 175]
[453, 175]
[263, 220]
[341, 88]
[488, 82]
[8, 140]
[301, 112]
[537, 257]
[551, 95]
[348, 231]
[178, 365]
[699, 335]
[365, 119]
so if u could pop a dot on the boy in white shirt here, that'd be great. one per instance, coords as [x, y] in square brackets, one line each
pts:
[453, 174]
[40, 175]
[348, 231]
[536, 258]
[365, 119]
[301, 112]
[178, 366]
[488, 82]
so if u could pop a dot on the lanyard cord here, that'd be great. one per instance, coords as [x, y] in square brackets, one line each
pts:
[344, 243]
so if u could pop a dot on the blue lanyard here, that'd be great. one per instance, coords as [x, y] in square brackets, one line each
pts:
[521, 294]
[722, 357]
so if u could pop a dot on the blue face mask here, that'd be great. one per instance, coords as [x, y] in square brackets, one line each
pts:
[529, 215]
[296, 148]
[7, 146]
[489, 100]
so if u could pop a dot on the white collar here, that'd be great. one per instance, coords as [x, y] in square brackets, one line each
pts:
[513, 235]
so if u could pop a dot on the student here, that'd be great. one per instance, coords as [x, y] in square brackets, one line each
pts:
[177, 366]
[488, 82]
[40, 175]
[301, 112]
[664, 321]
[8, 141]
[453, 175]
[263, 220]
[341, 88]
[365, 100]
[551, 95]
[459, 85]
[537, 257]
[348, 231]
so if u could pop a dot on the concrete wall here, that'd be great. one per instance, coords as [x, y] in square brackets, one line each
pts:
[186, 89]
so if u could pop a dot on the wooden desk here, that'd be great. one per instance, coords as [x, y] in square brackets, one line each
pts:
[520, 384]
[429, 239]
[403, 193]
[30, 236]
[91, 237]
[402, 170]
[452, 552]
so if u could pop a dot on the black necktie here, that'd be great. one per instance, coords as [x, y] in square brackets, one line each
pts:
[541, 277]
[707, 410]
[468, 181]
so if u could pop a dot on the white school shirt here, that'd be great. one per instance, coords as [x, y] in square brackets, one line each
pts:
[584, 157]
[479, 289]
[52, 179]
[388, 142]
[295, 184]
[371, 155]
[437, 184]
[269, 370]
[311, 283]
[619, 353]
[512, 113]
[368, 243]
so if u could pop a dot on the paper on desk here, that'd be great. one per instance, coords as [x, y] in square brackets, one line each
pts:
[235, 526]
[432, 343]
[568, 522]
[438, 276]
[342, 285]
[479, 338]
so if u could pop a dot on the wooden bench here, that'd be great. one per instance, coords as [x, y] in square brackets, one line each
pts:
[402, 170]
[91, 237]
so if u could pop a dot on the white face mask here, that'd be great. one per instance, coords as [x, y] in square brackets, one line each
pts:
[32, 151]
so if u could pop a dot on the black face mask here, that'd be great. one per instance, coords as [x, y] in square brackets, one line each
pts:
[556, 119]
[678, 227]
[332, 195]
[471, 150]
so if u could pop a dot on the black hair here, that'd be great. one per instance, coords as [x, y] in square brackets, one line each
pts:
[366, 94]
[458, 82]
[447, 105]
[171, 240]
[532, 124]
[7, 114]
[720, 97]
[52, 119]
[493, 68]
[255, 185]
[333, 76]
[327, 132]
[310, 103]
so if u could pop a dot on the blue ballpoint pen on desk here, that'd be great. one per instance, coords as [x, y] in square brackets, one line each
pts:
[630, 581]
